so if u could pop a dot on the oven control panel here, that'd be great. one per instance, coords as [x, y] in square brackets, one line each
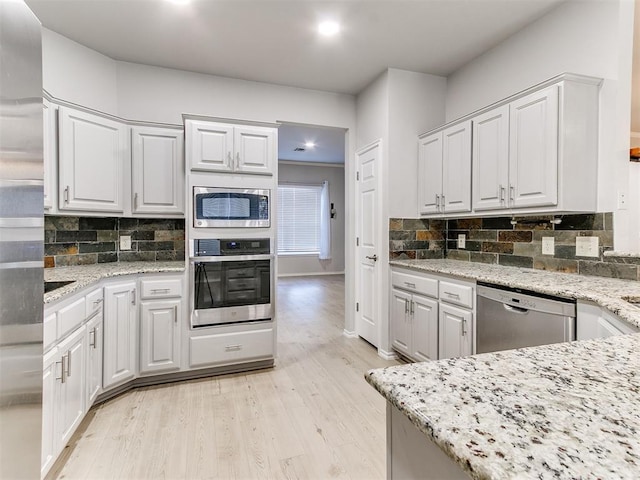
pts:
[213, 247]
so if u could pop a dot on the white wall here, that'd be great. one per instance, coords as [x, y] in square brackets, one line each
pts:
[78, 74]
[416, 105]
[312, 174]
[590, 38]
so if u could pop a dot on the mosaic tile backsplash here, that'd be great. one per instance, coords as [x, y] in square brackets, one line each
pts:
[515, 242]
[88, 240]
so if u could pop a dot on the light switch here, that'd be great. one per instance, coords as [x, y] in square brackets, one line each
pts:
[548, 245]
[125, 242]
[462, 240]
[587, 246]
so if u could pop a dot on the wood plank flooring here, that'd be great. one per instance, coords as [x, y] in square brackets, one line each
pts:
[312, 416]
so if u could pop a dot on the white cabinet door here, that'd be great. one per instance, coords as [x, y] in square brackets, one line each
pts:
[72, 394]
[160, 335]
[50, 391]
[491, 159]
[158, 170]
[49, 152]
[254, 149]
[209, 146]
[454, 332]
[424, 346]
[92, 152]
[400, 321]
[533, 149]
[429, 174]
[94, 358]
[456, 168]
[119, 333]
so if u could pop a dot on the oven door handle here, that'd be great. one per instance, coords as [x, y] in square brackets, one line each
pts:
[231, 258]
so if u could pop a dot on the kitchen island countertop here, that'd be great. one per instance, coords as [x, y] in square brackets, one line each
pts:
[567, 410]
[85, 275]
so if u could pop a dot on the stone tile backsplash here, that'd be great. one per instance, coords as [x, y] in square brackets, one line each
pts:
[87, 240]
[514, 241]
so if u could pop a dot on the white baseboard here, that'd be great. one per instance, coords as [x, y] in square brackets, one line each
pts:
[349, 333]
[312, 274]
[387, 355]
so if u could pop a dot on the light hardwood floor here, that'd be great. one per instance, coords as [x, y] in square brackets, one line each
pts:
[312, 416]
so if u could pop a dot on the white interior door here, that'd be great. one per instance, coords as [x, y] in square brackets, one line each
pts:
[368, 293]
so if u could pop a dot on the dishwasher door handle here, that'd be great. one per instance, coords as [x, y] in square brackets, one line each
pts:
[521, 311]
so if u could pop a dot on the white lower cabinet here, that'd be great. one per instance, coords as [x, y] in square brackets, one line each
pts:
[160, 322]
[455, 339]
[94, 339]
[414, 325]
[72, 391]
[594, 321]
[228, 348]
[51, 367]
[120, 339]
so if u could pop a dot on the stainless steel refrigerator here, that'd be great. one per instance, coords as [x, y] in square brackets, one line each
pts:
[21, 241]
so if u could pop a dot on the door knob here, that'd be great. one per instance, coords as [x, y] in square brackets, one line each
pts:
[374, 257]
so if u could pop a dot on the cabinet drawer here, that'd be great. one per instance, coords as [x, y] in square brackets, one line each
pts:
[161, 288]
[71, 316]
[94, 302]
[230, 348]
[415, 283]
[456, 294]
[50, 326]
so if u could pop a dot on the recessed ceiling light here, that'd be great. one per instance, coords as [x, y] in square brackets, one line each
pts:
[328, 28]
[179, 2]
[309, 144]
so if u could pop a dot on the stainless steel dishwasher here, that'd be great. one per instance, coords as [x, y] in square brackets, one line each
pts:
[512, 318]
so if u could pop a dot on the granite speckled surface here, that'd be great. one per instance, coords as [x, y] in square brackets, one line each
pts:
[610, 293]
[563, 411]
[85, 275]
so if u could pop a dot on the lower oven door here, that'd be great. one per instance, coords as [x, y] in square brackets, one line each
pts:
[230, 291]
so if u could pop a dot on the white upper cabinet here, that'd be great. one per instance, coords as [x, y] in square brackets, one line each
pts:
[444, 171]
[491, 159]
[92, 153]
[534, 152]
[533, 147]
[218, 147]
[49, 152]
[157, 170]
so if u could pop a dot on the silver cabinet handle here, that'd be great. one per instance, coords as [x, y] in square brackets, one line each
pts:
[454, 295]
[412, 304]
[512, 193]
[135, 201]
[437, 202]
[62, 376]
[68, 363]
[230, 160]
[97, 302]
[238, 160]
[175, 314]
[373, 257]
[464, 324]
[133, 296]
[442, 204]
[92, 338]
[410, 285]
[231, 348]
[160, 290]
[502, 192]
[406, 306]
[66, 194]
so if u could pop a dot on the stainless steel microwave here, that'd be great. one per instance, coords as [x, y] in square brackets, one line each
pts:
[231, 207]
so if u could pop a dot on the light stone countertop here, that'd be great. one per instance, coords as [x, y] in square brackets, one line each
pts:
[85, 275]
[610, 293]
[562, 411]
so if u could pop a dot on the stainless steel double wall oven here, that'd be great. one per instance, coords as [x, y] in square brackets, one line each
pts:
[232, 281]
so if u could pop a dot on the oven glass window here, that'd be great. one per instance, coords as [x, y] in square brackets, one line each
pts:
[231, 284]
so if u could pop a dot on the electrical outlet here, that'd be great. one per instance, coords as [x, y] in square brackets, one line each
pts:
[548, 245]
[587, 246]
[622, 200]
[125, 242]
[462, 240]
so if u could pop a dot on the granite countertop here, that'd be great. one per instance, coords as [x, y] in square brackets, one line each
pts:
[566, 411]
[85, 275]
[610, 293]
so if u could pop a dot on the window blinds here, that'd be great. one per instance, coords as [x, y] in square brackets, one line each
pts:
[299, 218]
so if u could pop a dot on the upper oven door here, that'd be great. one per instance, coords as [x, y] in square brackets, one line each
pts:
[231, 207]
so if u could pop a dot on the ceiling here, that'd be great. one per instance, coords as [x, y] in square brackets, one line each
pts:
[329, 144]
[275, 41]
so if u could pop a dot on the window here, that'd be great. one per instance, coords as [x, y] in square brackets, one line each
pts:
[299, 218]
